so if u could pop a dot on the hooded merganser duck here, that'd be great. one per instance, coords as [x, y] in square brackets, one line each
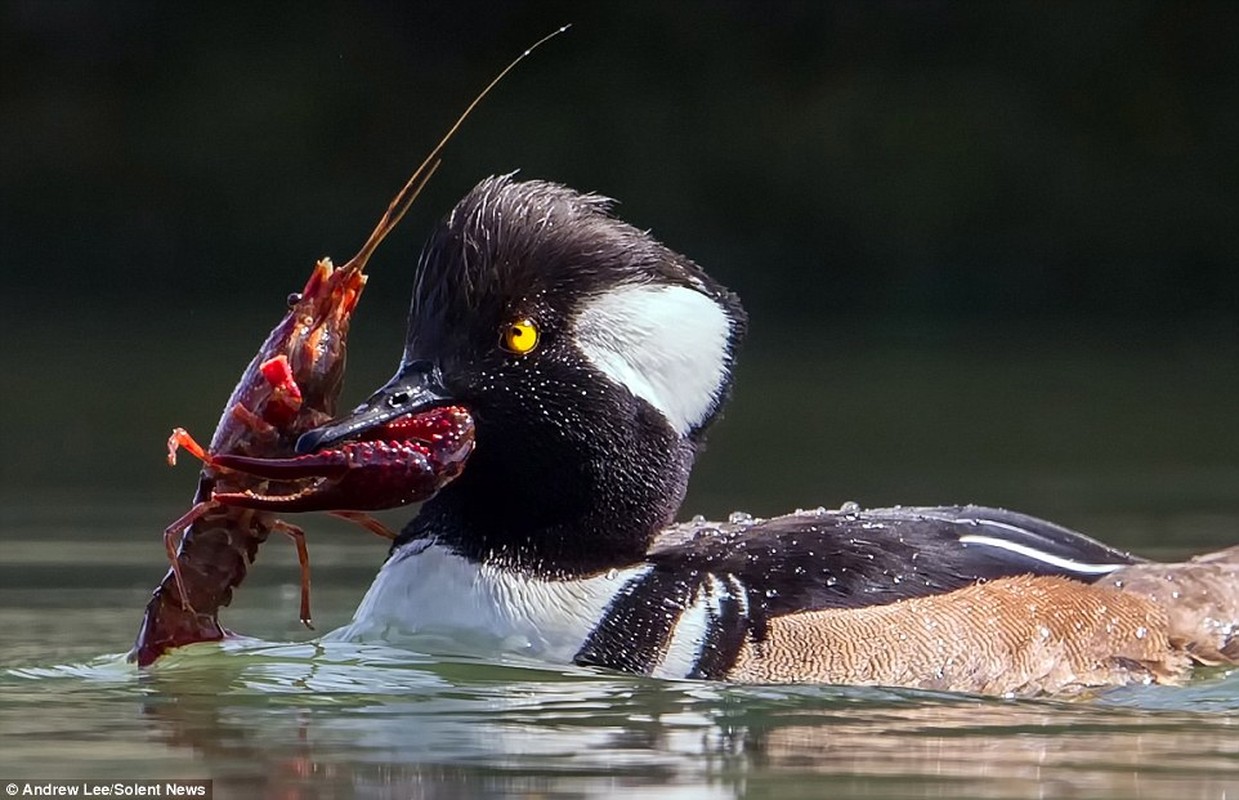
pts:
[594, 359]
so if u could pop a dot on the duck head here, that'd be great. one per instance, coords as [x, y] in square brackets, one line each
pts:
[592, 358]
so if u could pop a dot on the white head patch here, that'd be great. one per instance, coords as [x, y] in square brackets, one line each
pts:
[665, 344]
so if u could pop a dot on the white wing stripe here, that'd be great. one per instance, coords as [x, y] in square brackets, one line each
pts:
[1039, 555]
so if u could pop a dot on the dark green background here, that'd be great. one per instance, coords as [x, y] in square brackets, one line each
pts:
[989, 249]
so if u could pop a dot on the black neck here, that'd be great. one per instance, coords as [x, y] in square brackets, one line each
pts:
[562, 506]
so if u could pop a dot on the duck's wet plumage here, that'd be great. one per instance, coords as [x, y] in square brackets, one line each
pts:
[753, 572]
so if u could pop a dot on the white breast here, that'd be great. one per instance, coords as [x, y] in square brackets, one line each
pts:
[427, 590]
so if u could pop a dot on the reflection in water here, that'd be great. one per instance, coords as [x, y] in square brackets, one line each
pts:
[988, 749]
[362, 721]
[340, 719]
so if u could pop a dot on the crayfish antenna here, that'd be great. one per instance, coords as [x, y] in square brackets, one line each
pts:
[413, 187]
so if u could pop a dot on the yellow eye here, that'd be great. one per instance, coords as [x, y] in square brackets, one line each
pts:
[520, 337]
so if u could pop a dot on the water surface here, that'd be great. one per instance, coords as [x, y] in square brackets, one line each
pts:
[280, 714]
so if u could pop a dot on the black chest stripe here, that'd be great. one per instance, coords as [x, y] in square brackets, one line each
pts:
[636, 629]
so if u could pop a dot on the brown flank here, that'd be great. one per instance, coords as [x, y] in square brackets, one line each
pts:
[1019, 635]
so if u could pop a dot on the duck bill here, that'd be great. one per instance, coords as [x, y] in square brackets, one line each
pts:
[417, 387]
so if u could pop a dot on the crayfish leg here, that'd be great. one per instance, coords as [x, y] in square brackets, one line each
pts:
[182, 438]
[366, 521]
[303, 557]
[173, 535]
